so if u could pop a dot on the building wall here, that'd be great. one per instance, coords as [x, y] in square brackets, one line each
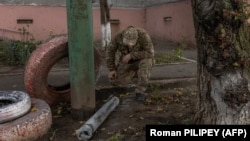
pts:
[173, 21]
[49, 18]
[52, 20]
[125, 16]
[47, 21]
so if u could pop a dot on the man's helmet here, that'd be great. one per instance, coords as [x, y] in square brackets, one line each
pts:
[130, 36]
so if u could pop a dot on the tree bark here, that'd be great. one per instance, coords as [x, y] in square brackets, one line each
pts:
[223, 62]
[105, 6]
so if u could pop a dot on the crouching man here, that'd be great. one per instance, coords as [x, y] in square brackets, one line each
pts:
[131, 55]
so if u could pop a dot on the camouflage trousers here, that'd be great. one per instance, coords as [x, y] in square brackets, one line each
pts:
[139, 71]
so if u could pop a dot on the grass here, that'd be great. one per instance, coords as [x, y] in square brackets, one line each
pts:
[116, 137]
[173, 57]
[167, 58]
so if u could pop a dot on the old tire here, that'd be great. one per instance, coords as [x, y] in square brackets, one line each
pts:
[29, 127]
[17, 103]
[39, 65]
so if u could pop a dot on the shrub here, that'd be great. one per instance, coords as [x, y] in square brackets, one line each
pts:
[16, 52]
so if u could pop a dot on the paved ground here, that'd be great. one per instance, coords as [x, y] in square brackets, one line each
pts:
[11, 78]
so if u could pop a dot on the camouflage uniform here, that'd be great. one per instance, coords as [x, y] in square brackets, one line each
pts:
[140, 65]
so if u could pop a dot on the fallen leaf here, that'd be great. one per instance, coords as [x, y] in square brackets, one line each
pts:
[33, 109]
[141, 118]
[181, 115]
[81, 122]
[160, 109]
[131, 116]
[110, 133]
[122, 95]
[131, 128]
[59, 110]
[58, 116]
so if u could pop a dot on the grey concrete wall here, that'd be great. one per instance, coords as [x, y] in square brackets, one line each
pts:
[115, 3]
[34, 2]
[127, 3]
[159, 2]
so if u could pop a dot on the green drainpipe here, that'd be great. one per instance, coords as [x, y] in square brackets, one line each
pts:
[81, 58]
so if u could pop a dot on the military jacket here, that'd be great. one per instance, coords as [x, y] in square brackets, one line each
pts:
[142, 50]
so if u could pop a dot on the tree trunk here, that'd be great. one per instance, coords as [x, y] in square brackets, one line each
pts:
[223, 62]
[105, 22]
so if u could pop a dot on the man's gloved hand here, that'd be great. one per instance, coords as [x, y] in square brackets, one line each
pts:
[126, 59]
[112, 75]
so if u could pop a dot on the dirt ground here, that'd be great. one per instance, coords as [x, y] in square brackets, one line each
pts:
[168, 103]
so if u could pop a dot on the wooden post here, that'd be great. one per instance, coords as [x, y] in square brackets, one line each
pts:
[81, 58]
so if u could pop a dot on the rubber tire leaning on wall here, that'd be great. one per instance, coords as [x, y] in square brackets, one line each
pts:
[19, 104]
[39, 65]
[29, 127]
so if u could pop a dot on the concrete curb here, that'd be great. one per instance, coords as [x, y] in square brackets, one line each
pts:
[162, 82]
[20, 72]
[170, 81]
[11, 72]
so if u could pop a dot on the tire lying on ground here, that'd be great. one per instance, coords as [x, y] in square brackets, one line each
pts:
[39, 65]
[13, 104]
[30, 126]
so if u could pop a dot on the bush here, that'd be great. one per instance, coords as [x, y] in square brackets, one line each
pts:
[15, 52]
